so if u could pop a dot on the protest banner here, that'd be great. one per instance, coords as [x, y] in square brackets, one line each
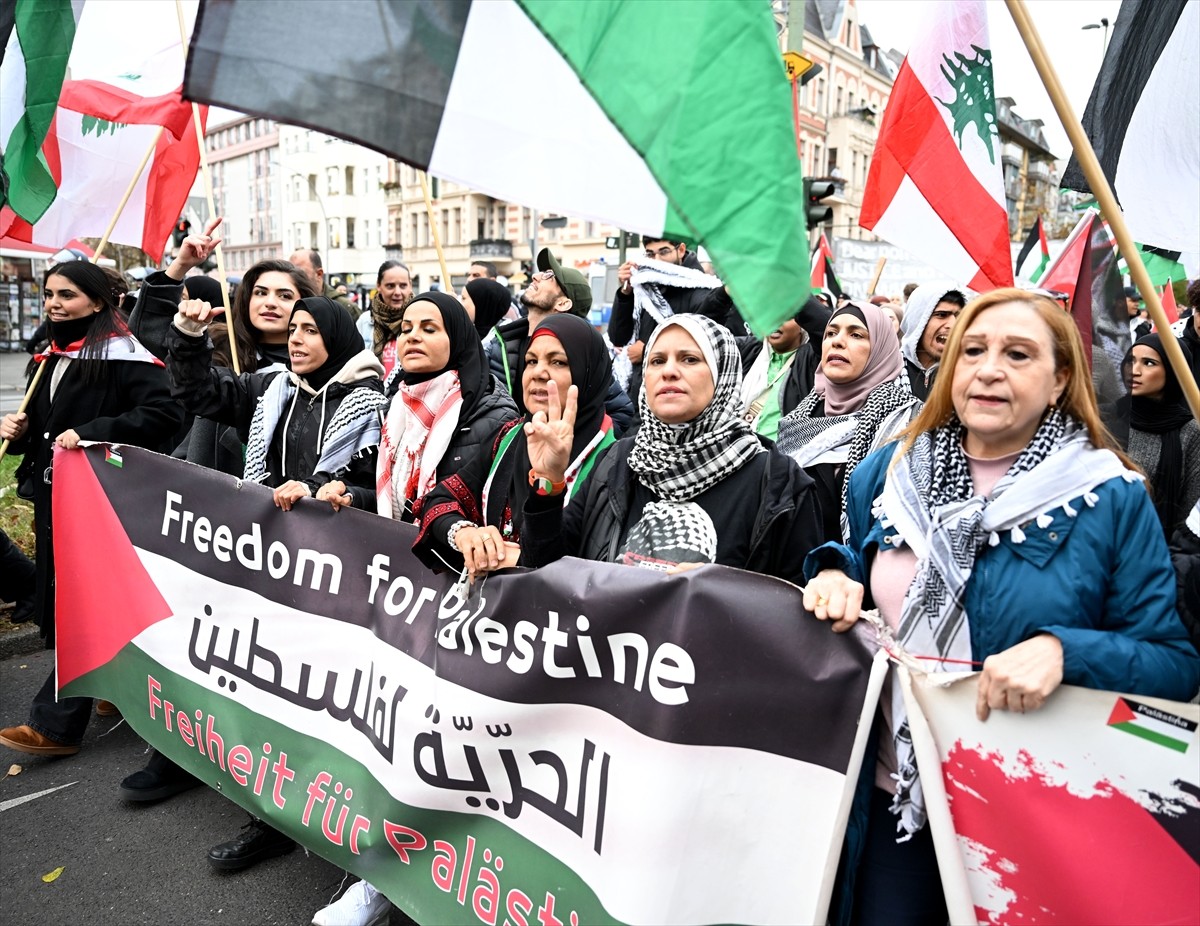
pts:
[1085, 811]
[587, 743]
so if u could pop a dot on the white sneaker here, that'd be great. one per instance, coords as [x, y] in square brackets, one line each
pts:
[361, 905]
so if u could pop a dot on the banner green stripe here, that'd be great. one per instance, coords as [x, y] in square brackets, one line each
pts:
[699, 90]
[1153, 736]
[46, 29]
[480, 859]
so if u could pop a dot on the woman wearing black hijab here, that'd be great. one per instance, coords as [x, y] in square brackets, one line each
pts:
[486, 301]
[475, 516]
[1164, 438]
[448, 407]
[303, 427]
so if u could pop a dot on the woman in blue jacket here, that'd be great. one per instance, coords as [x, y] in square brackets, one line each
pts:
[1004, 529]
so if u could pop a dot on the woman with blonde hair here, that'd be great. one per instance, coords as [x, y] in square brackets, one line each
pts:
[1007, 529]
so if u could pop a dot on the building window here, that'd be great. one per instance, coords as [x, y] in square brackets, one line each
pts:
[349, 231]
[503, 221]
[837, 101]
[379, 232]
[456, 228]
[821, 95]
[312, 187]
[413, 240]
[349, 182]
[445, 223]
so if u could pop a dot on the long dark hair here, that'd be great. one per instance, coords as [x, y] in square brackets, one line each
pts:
[246, 334]
[97, 284]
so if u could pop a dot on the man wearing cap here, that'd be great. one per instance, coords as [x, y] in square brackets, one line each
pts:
[554, 288]
[626, 327]
[1138, 326]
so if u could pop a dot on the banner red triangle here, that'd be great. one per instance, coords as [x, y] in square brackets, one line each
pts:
[1121, 713]
[98, 573]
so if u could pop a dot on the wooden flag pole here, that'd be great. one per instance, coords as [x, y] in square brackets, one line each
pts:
[218, 252]
[875, 279]
[95, 258]
[1107, 200]
[33, 384]
[137, 175]
[437, 242]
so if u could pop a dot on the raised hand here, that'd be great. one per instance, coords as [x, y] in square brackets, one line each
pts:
[550, 433]
[195, 250]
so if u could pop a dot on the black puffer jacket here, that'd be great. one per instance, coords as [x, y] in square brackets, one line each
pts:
[475, 436]
[784, 528]
[217, 393]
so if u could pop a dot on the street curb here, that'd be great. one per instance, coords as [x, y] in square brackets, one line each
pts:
[21, 642]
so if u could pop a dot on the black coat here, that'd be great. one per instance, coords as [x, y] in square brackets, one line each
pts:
[227, 398]
[783, 525]
[799, 382]
[509, 345]
[1185, 556]
[131, 405]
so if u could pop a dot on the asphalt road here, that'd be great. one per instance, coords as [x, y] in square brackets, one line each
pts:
[126, 864]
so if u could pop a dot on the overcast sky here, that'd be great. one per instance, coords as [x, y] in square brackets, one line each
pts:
[1075, 53]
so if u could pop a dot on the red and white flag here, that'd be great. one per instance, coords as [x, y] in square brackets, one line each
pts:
[936, 183]
[102, 128]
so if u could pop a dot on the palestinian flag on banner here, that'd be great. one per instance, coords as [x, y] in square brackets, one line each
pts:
[102, 128]
[1143, 120]
[433, 742]
[669, 119]
[1150, 723]
[936, 184]
[822, 274]
[36, 36]
[1036, 237]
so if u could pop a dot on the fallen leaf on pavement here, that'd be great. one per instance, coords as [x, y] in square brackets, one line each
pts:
[14, 770]
[53, 875]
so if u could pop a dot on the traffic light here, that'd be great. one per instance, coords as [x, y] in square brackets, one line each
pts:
[182, 227]
[816, 212]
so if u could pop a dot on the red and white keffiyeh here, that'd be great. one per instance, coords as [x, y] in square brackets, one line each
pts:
[419, 426]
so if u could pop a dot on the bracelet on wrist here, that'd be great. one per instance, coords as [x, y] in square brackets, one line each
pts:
[545, 486]
[452, 534]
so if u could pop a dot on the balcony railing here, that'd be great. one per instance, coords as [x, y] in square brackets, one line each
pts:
[491, 248]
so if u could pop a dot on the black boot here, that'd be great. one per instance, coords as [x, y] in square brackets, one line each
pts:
[160, 779]
[256, 843]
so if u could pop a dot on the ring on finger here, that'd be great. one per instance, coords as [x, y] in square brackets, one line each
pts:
[822, 601]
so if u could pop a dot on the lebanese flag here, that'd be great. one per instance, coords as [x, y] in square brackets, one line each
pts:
[101, 131]
[822, 274]
[593, 142]
[936, 183]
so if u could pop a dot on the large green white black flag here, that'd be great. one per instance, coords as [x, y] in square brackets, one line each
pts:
[1143, 120]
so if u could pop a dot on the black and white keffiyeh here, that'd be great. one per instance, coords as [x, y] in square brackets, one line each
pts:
[930, 499]
[650, 276]
[844, 439]
[680, 461]
[354, 426]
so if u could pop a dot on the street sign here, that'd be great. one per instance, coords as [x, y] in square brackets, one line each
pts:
[632, 240]
[796, 64]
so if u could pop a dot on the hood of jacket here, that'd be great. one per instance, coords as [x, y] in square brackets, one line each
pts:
[363, 365]
[919, 310]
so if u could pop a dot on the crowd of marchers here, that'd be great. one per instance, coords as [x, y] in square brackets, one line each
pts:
[949, 460]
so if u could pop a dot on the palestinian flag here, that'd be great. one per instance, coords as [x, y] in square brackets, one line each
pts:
[665, 118]
[99, 132]
[1086, 272]
[1143, 120]
[1162, 265]
[36, 36]
[822, 274]
[1150, 723]
[936, 184]
[1036, 236]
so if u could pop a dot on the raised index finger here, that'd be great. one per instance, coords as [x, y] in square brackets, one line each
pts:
[212, 224]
